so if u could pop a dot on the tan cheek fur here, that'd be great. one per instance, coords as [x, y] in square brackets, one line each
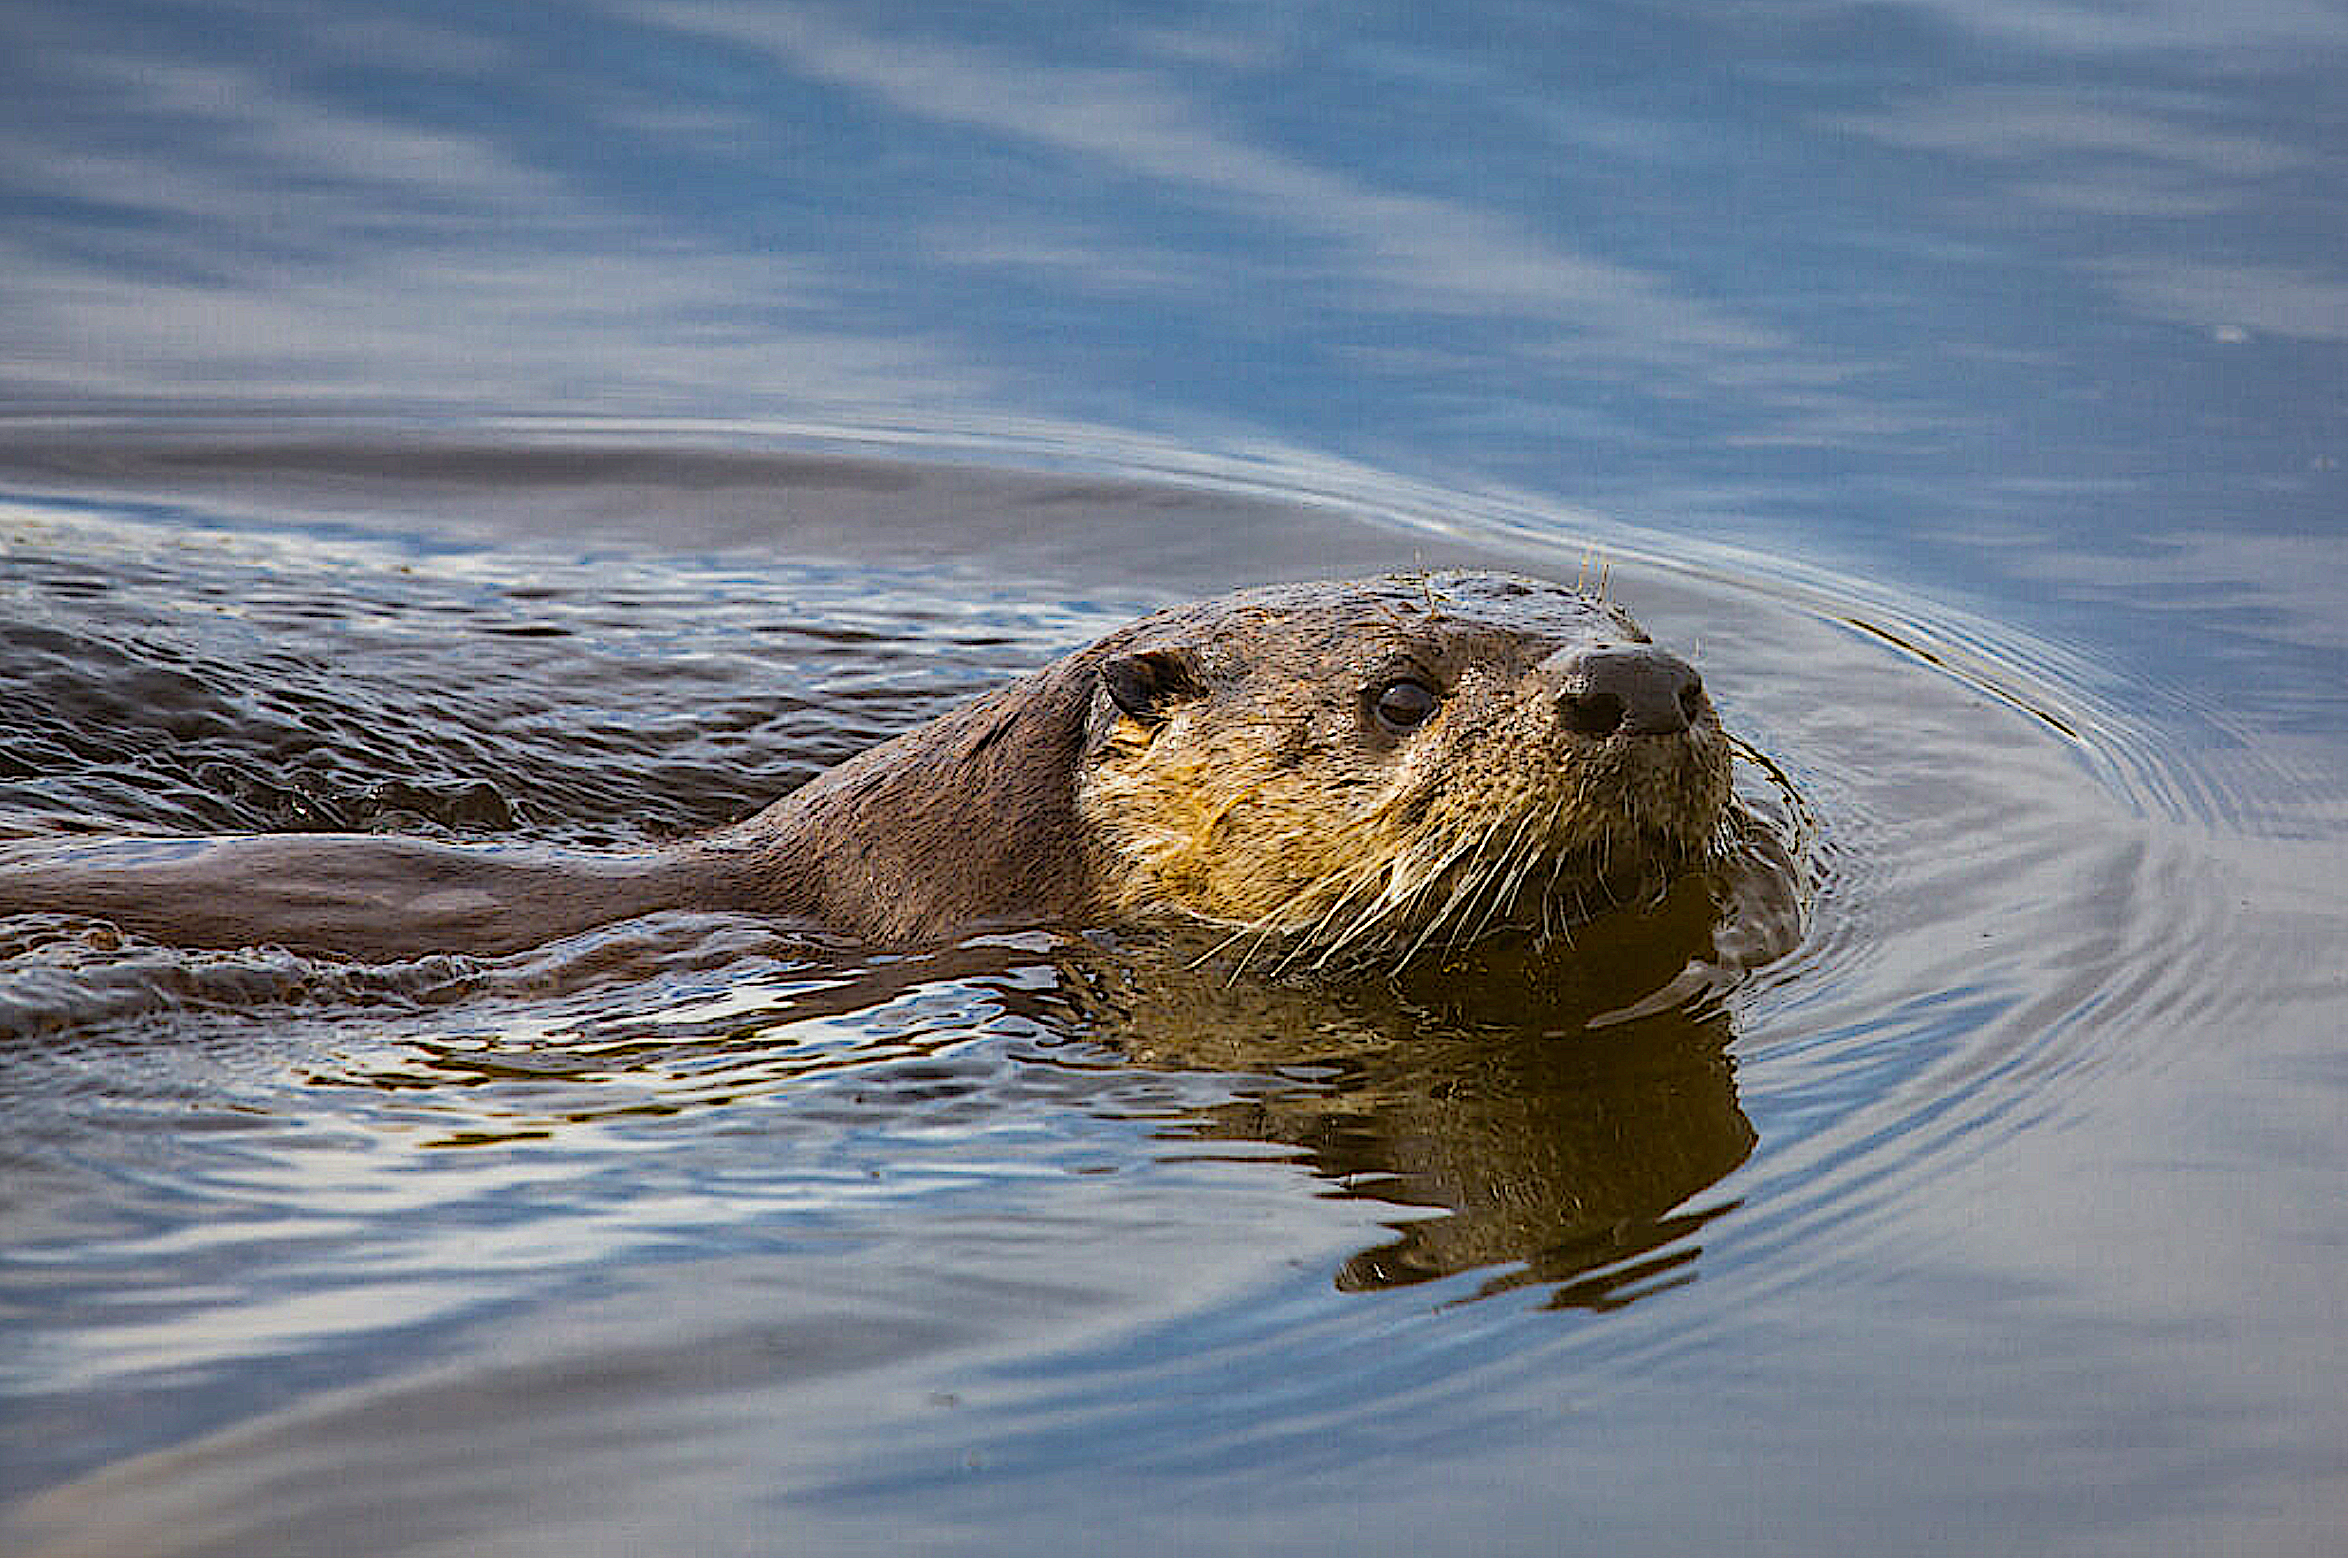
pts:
[1206, 822]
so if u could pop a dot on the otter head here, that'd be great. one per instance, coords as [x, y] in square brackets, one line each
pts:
[1365, 769]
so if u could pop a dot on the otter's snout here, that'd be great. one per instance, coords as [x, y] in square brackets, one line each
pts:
[1623, 689]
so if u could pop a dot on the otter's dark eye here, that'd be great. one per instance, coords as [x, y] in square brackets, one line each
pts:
[1403, 704]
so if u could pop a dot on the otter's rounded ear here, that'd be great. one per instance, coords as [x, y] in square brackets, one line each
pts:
[1148, 685]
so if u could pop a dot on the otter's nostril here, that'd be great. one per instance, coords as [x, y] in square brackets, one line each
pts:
[1593, 713]
[1623, 689]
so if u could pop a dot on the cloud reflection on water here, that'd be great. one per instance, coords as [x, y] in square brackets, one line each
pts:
[1383, 248]
[215, 229]
[1654, 259]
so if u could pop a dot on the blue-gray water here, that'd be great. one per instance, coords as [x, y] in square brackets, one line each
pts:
[584, 424]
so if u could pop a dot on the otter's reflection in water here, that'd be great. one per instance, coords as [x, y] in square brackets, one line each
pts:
[1552, 1144]
[1499, 1093]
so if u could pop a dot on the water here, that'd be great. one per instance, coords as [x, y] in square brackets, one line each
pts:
[584, 426]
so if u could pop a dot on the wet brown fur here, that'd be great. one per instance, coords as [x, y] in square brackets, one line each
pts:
[1253, 792]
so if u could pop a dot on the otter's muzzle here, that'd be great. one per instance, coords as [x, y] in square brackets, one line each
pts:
[1623, 689]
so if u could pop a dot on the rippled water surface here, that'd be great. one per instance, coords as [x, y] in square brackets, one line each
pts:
[681, 1223]
[583, 428]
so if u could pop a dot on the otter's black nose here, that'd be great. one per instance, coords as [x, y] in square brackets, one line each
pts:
[1630, 689]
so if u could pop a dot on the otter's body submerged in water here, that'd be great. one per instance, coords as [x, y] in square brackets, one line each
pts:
[1336, 771]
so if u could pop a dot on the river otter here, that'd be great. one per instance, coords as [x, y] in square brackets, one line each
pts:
[1333, 771]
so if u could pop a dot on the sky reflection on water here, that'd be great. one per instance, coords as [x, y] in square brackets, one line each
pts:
[1685, 260]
